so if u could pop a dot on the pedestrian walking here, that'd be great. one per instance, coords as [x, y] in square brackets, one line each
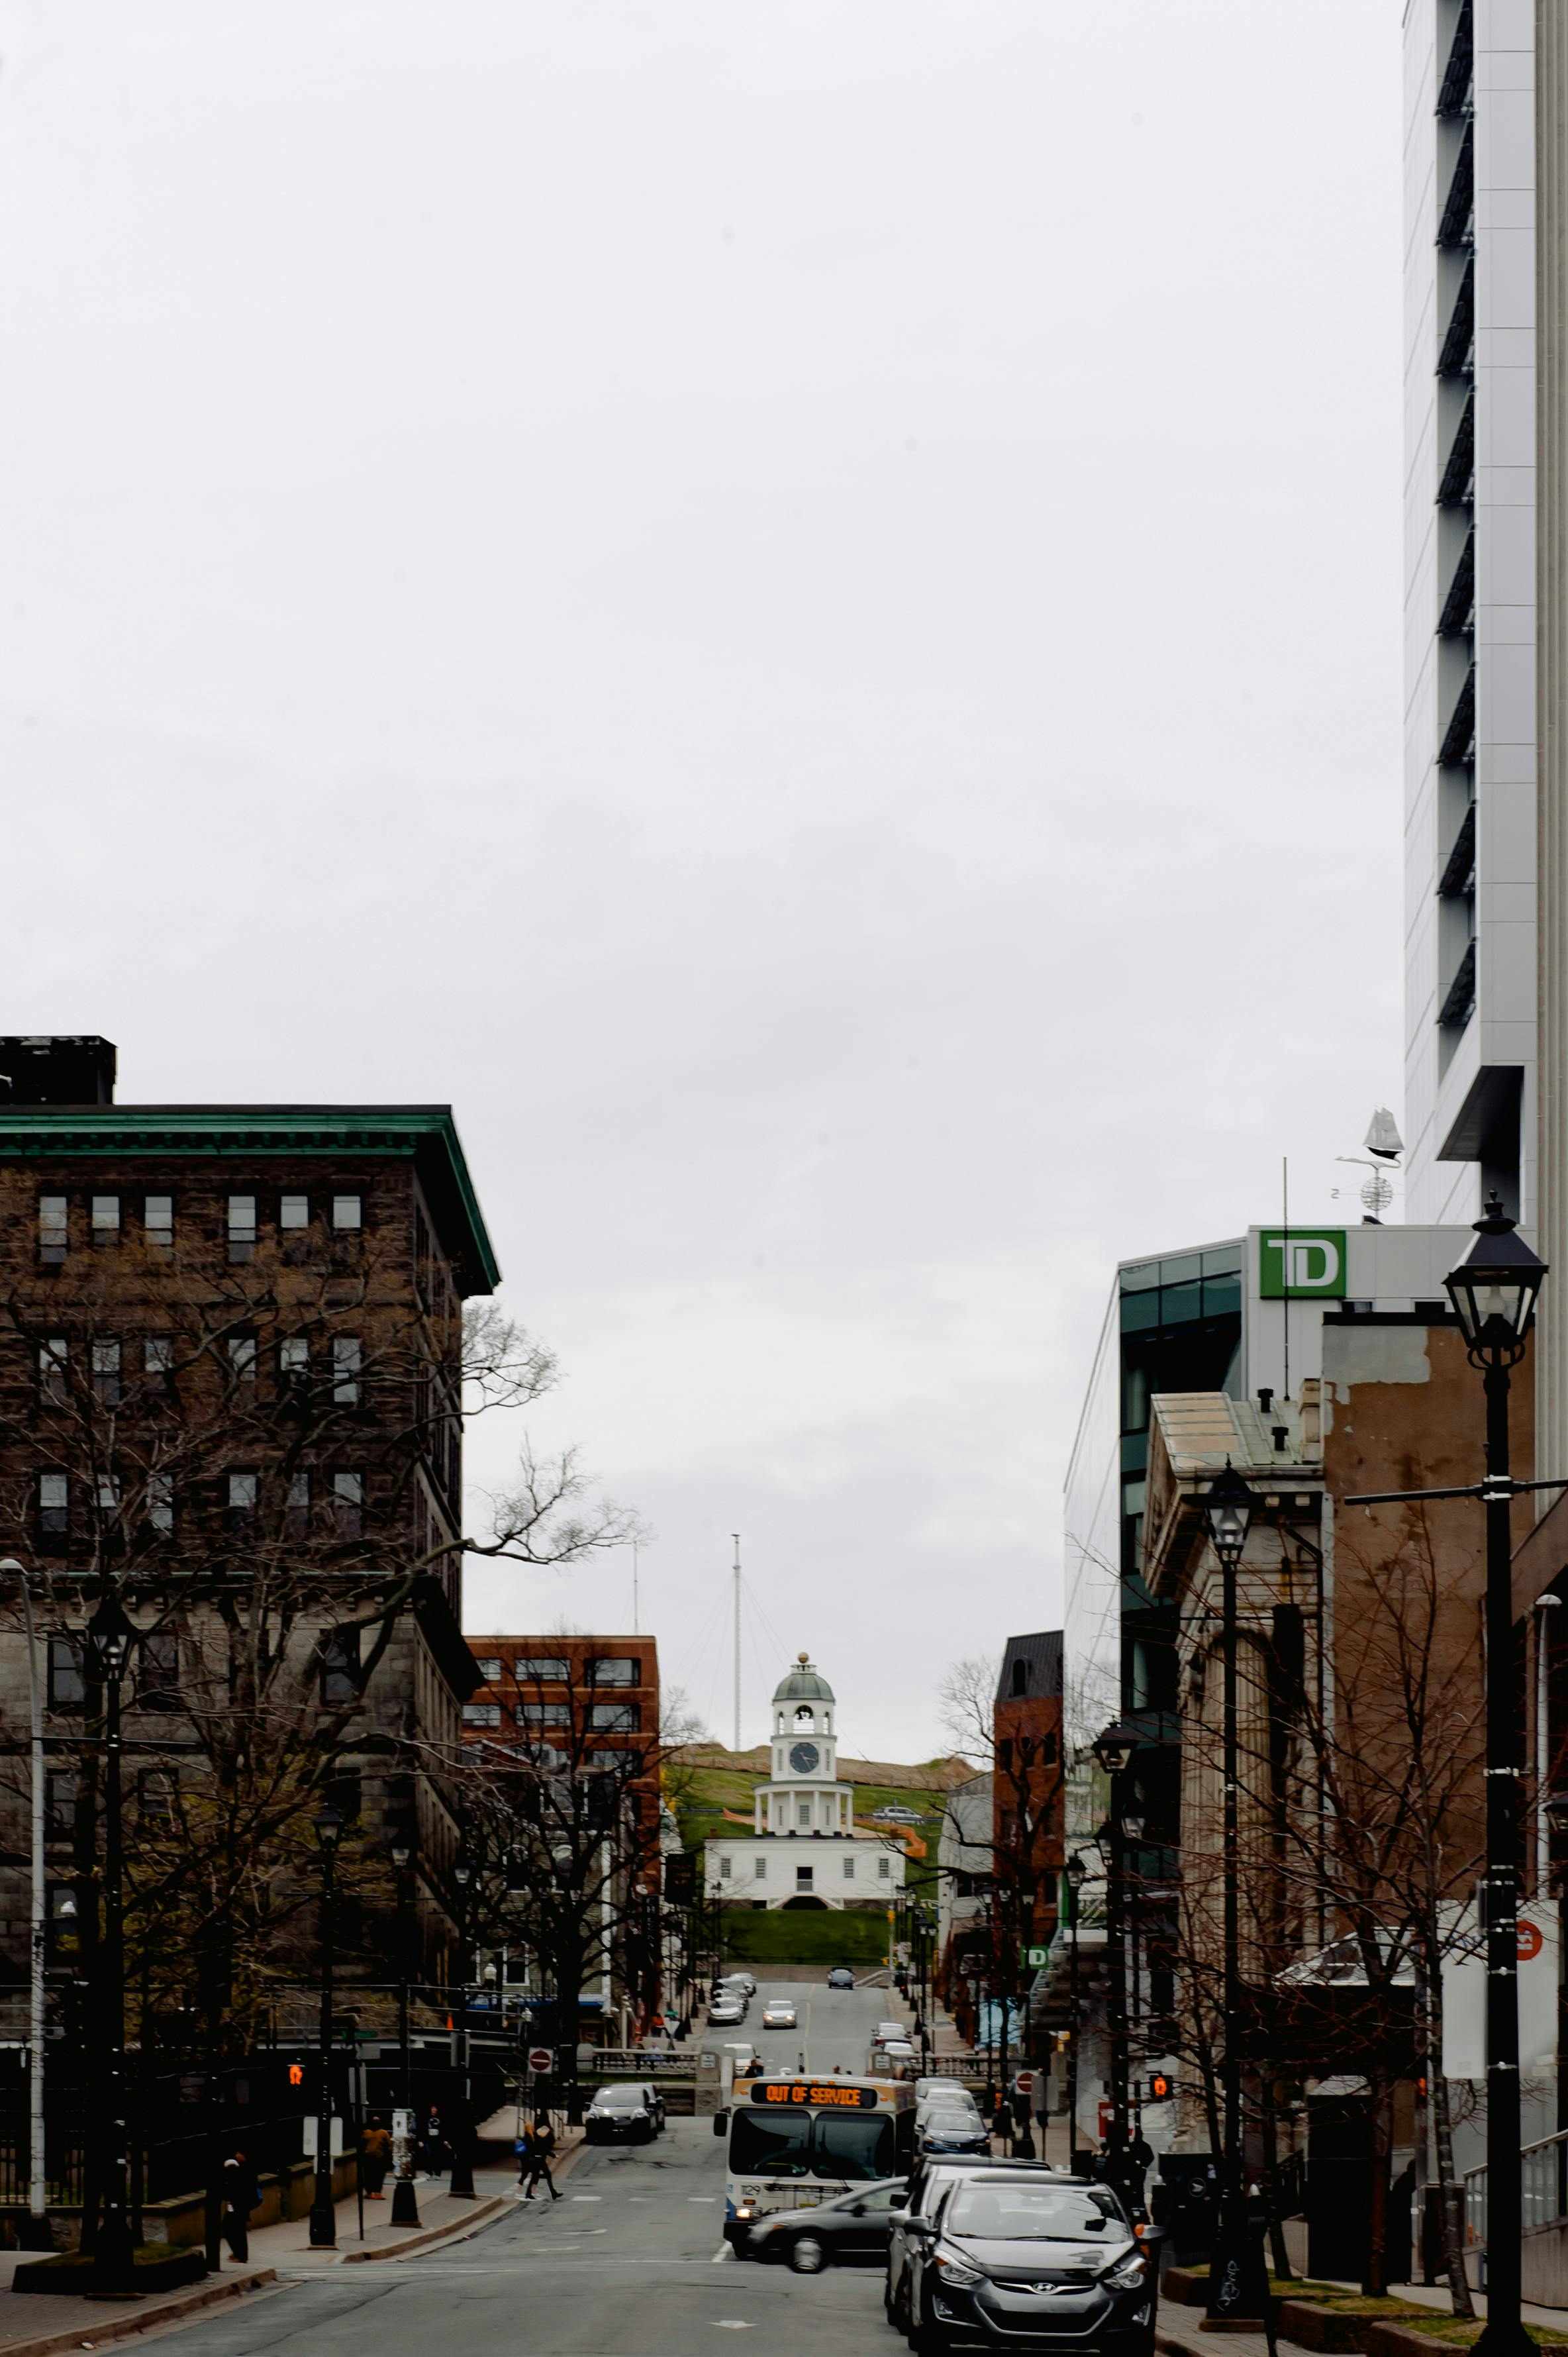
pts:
[375, 2149]
[435, 2145]
[242, 2195]
[540, 2144]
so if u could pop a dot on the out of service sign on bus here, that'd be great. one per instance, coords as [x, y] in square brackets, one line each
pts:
[828, 2094]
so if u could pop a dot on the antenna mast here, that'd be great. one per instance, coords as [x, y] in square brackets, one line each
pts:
[634, 1629]
[736, 1535]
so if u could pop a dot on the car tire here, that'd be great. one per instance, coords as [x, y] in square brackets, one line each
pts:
[929, 2338]
[808, 2254]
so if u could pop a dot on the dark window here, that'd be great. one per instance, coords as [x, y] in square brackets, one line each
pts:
[545, 1714]
[624, 1717]
[345, 1790]
[802, 1878]
[340, 1665]
[241, 1506]
[160, 1502]
[157, 1221]
[1020, 1677]
[106, 1498]
[54, 1229]
[293, 1364]
[68, 1686]
[243, 1358]
[346, 1369]
[346, 1211]
[614, 1669]
[155, 1798]
[348, 1504]
[242, 1226]
[546, 1670]
[64, 1924]
[62, 1788]
[106, 1219]
[1004, 1753]
[297, 1514]
[157, 1364]
[157, 1672]
[482, 1714]
[489, 1669]
[54, 1357]
[845, 2146]
[294, 1211]
[106, 1374]
[54, 1504]
[771, 2144]
[1047, 1751]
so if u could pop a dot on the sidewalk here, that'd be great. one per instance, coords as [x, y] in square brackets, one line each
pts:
[40, 2324]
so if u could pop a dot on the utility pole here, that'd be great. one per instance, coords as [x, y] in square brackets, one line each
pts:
[736, 1535]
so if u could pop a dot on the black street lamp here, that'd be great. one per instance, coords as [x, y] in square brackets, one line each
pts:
[461, 2181]
[1237, 2286]
[1494, 1293]
[406, 2204]
[1115, 1751]
[323, 2210]
[1075, 1874]
[108, 1639]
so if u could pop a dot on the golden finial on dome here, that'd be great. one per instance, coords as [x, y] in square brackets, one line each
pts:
[803, 1659]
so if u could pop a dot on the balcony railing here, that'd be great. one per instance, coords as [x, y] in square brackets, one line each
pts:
[1459, 742]
[1453, 226]
[1459, 71]
[1457, 483]
[1455, 351]
[1459, 867]
[1544, 2171]
[1460, 1003]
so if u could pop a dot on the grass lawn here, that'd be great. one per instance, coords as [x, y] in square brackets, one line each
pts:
[803, 1935]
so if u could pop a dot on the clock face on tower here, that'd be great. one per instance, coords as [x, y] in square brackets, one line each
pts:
[803, 1758]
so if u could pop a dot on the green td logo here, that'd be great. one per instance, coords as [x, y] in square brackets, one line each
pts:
[1302, 1263]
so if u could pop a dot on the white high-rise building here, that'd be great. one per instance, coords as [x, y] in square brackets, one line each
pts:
[1470, 607]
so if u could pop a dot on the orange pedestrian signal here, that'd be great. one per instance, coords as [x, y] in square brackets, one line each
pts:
[296, 2074]
[1159, 2087]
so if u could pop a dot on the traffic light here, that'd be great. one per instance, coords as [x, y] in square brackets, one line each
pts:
[296, 2074]
[1159, 2087]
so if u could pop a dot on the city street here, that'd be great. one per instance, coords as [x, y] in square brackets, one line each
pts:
[835, 2025]
[629, 2263]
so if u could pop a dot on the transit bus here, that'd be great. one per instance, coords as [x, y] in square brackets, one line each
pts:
[796, 2141]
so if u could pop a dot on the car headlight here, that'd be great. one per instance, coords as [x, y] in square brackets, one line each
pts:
[1128, 2272]
[955, 2269]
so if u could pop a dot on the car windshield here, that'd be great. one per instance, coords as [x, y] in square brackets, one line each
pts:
[1027, 2214]
[620, 2099]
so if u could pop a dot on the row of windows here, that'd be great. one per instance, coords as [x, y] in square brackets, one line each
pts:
[346, 1494]
[156, 1684]
[109, 1368]
[545, 1670]
[803, 1874]
[625, 1717]
[106, 1221]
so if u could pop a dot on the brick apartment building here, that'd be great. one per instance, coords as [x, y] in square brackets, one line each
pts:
[572, 1727]
[1026, 1783]
[230, 1371]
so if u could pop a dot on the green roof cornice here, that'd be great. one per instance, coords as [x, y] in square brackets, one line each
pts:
[427, 1133]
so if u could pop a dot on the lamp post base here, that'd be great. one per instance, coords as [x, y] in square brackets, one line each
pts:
[1502, 2340]
[405, 2207]
[323, 2218]
[1238, 2274]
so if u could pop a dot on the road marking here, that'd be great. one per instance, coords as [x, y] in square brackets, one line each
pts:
[721, 2256]
[692, 2197]
[731, 2323]
[588, 2196]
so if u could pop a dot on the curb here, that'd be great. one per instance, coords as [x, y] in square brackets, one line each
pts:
[426, 2239]
[121, 2327]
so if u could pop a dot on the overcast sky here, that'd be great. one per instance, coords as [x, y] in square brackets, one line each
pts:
[794, 604]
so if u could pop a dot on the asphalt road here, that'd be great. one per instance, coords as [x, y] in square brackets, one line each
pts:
[835, 2026]
[629, 2263]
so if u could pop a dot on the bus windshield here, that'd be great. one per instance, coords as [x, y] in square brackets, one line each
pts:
[836, 2144]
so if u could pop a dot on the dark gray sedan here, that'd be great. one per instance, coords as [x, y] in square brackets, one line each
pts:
[1040, 2260]
[850, 2231]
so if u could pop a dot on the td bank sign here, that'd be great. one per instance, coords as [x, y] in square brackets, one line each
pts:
[1302, 1265]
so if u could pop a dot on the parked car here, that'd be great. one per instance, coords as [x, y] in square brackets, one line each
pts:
[742, 1981]
[894, 1815]
[725, 2009]
[780, 2014]
[840, 1977]
[999, 2240]
[924, 2087]
[894, 2059]
[951, 2128]
[653, 2096]
[744, 2055]
[851, 2230]
[885, 2029]
[620, 2115]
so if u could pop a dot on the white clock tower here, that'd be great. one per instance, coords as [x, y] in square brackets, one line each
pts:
[804, 1848]
[804, 1794]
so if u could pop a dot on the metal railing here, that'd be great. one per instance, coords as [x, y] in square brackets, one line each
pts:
[1544, 2171]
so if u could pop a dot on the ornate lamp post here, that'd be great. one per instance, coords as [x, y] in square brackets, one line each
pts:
[1115, 1751]
[323, 2210]
[462, 2179]
[110, 1637]
[1494, 1293]
[406, 2204]
[1236, 2285]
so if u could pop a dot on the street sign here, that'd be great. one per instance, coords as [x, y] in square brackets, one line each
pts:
[540, 2060]
[1023, 2082]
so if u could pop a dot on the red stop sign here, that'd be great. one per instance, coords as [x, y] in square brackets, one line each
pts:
[1531, 1942]
[540, 2059]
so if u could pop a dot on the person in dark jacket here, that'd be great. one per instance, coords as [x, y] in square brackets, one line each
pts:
[242, 2195]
